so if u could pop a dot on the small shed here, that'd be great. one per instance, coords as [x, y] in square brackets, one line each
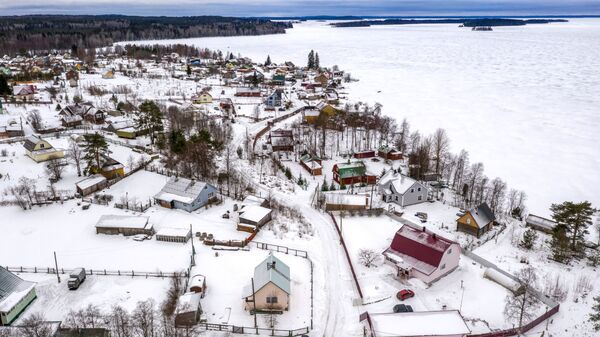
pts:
[198, 284]
[124, 224]
[255, 215]
[312, 164]
[364, 154]
[168, 234]
[254, 200]
[188, 309]
[346, 202]
[91, 184]
[540, 224]
[390, 153]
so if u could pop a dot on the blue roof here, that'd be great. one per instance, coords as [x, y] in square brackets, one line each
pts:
[272, 270]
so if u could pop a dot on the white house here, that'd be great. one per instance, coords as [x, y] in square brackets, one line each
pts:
[402, 190]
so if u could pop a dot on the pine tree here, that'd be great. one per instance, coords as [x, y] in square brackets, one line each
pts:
[268, 61]
[332, 186]
[288, 173]
[4, 87]
[149, 118]
[188, 70]
[529, 238]
[560, 245]
[595, 315]
[94, 149]
[575, 218]
[317, 62]
[324, 187]
[311, 60]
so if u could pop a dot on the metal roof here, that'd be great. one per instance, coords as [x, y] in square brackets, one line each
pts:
[272, 270]
[10, 283]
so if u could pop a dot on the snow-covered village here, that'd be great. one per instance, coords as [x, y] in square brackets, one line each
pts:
[169, 190]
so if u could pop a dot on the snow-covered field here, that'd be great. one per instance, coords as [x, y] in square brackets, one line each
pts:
[522, 100]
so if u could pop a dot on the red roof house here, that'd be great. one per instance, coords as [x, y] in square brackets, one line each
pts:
[422, 254]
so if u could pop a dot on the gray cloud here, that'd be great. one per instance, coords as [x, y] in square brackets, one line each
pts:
[302, 7]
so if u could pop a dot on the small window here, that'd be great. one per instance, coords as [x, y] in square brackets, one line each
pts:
[450, 251]
[419, 198]
[468, 221]
[271, 299]
[396, 198]
[419, 189]
[412, 190]
[42, 145]
[443, 266]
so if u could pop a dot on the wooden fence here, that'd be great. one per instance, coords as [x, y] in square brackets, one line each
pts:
[101, 272]
[249, 330]
[281, 249]
[339, 231]
[271, 123]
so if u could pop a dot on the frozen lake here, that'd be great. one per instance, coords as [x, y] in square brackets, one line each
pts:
[525, 101]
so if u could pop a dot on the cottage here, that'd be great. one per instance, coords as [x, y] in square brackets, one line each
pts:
[181, 235]
[124, 224]
[346, 202]
[24, 92]
[188, 309]
[272, 286]
[79, 112]
[185, 194]
[311, 115]
[476, 221]
[278, 79]
[274, 99]
[255, 215]
[198, 284]
[352, 173]
[40, 150]
[421, 254]
[541, 224]
[281, 140]
[389, 153]
[402, 190]
[91, 184]
[71, 121]
[111, 169]
[15, 296]
[12, 128]
[248, 92]
[447, 323]
[202, 98]
[312, 164]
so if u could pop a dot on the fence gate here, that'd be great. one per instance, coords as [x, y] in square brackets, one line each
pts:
[238, 329]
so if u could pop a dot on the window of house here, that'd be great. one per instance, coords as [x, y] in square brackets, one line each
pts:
[443, 266]
[42, 145]
[412, 190]
[468, 221]
[271, 299]
[450, 251]
[396, 198]
[420, 197]
[419, 189]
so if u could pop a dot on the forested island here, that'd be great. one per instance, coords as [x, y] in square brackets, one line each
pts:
[39, 33]
[490, 22]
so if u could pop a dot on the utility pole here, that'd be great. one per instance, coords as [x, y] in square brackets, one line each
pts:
[193, 249]
[56, 265]
[254, 305]
[371, 201]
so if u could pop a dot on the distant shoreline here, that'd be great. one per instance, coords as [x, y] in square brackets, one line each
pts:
[466, 22]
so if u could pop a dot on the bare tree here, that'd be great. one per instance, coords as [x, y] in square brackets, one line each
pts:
[368, 257]
[35, 119]
[55, 168]
[120, 322]
[555, 288]
[440, 147]
[36, 326]
[144, 319]
[521, 308]
[76, 154]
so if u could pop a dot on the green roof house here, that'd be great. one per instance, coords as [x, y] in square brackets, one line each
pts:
[15, 295]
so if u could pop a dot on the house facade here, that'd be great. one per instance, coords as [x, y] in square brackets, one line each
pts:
[202, 98]
[272, 286]
[476, 221]
[312, 164]
[15, 296]
[40, 150]
[185, 194]
[352, 173]
[421, 254]
[274, 99]
[402, 190]
[281, 140]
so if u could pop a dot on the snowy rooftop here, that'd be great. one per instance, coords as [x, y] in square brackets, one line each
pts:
[123, 221]
[540, 222]
[427, 323]
[90, 181]
[253, 200]
[188, 302]
[347, 199]
[254, 213]
[12, 289]
[181, 189]
[170, 231]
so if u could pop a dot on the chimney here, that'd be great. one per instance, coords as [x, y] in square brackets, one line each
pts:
[424, 229]
[434, 237]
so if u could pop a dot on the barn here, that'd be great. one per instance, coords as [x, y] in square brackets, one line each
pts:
[255, 215]
[168, 234]
[198, 284]
[188, 309]
[91, 184]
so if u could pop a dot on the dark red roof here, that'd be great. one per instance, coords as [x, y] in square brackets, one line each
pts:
[421, 245]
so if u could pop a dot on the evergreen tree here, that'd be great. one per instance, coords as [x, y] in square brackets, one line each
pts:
[268, 61]
[4, 87]
[595, 315]
[188, 70]
[311, 60]
[288, 173]
[317, 62]
[332, 186]
[560, 245]
[529, 238]
[94, 149]
[324, 187]
[574, 218]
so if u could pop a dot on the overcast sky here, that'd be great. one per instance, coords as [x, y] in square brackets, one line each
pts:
[302, 7]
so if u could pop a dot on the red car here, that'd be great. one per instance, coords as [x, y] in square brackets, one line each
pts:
[404, 294]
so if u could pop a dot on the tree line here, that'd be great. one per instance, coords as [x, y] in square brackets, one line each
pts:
[45, 33]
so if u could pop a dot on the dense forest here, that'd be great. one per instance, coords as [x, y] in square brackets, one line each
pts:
[39, 33]
[492, 22]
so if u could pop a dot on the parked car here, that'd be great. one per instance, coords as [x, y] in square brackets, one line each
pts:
[422, 216]
[76, 278]
[402, 308]
[405, 294]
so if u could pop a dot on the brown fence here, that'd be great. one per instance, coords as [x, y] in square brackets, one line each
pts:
[249, 330]
[347, 255]
[523, 329]
[101, 272]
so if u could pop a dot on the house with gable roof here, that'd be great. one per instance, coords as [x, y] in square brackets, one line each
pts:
[272, 286]
[402, 190]
[15, 295]
[476, 221]
[186, 194]
[421, 254]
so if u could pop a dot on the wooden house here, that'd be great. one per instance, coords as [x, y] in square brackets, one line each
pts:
[91, 184]
[476, 221]
[272, 286]
[352, 173]
[124, 224]
[389, 153]
[254, 215]
[275, 99]
[402, 190]
[310, 115]
[422, 254]
[12, 129]
[16, 295]
[278, 79]
[110, 169]
[364, 154]
[186, 194]
[202, 98]
[248, 92]
[25, 92]
[312, 164]
[40, 150]
[281, 140]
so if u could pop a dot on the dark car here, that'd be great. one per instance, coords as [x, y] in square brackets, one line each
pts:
[404, 294]
[402, 308]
